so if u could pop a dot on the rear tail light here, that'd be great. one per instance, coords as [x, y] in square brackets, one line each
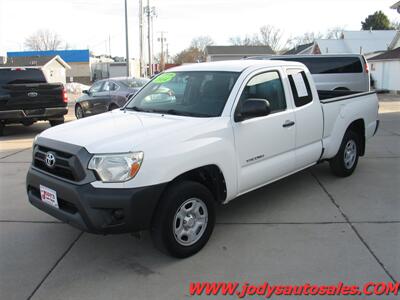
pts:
[366, 68]
[65, 96]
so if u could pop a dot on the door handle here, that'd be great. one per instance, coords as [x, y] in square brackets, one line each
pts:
[288, 123]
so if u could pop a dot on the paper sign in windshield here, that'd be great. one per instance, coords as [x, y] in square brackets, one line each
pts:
[163, 78]
[300, 85]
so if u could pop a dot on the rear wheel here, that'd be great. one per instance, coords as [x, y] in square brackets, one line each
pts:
[345, 161]
[184, 220]
[79, 112]
[56, 122]
[2, 125]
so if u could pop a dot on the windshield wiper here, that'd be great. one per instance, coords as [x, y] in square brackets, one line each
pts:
[169, 112]
[181, 113]
[135, 108]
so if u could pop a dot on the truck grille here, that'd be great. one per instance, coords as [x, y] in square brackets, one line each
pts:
[66, 165]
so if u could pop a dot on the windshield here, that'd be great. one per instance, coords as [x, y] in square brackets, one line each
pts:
[196, 94]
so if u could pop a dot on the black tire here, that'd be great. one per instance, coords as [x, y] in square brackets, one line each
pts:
[56, 122]
[2, 125]
[79, 114]
[341, 165]
[27, 123]
[164, 218]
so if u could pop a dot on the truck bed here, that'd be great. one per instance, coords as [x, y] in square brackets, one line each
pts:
[340, 109]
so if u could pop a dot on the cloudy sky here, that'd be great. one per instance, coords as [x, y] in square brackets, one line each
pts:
[89, 23]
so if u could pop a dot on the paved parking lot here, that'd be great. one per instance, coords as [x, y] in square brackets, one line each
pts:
[310, 227]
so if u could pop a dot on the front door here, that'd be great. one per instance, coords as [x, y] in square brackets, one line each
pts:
[102, 98]
[265, 145]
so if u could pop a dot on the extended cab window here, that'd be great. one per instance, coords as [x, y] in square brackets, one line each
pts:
[266, 86]
[300, 86]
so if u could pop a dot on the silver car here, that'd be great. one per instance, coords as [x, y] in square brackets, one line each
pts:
[336, 72]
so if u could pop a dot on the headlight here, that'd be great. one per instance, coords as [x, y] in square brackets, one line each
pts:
[116, 167]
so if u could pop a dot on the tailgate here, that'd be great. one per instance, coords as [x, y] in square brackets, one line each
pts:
[31, 96]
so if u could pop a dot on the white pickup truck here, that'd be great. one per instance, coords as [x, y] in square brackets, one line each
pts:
[194, 137]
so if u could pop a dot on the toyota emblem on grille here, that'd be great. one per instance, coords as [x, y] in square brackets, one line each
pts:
[50, 159]
[32, 94]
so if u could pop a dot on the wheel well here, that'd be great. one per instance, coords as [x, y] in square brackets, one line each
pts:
[358, 127]
[112, 106]
[210, 176]
[341, 88]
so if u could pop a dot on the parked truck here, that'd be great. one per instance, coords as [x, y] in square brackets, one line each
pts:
[194, 137]
[27, 97]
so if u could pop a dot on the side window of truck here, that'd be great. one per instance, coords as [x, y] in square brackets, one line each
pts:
[300, 87]
[266, 86]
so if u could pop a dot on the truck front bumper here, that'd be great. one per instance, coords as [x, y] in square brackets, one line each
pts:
[33, 114]
[95, 210]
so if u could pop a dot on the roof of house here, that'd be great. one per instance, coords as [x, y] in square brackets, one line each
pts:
[238, 50]
[66, 55]
[396, 5]
[33, 61]
[395, 40]
[298, 49]
[391, 54]
[365, 41]
[385, 35]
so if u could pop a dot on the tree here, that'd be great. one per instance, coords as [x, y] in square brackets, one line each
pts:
[189, 55]
[306, 38]
[395, 25]
[377, 21]
[271, 36]
[44, 39]
[247, 40]
[201, 42]
[335, 33]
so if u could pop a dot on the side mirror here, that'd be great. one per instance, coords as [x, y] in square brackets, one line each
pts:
[253, 108]
[86, 92]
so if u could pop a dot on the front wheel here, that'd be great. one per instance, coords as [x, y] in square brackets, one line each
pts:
[345, 161]
[79, 112]
[184, 220]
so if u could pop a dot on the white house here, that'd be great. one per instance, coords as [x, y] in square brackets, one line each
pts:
[357, 42]
[54, 67]
[385, 70]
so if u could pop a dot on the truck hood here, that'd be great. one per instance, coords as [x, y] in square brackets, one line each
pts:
[124, 131]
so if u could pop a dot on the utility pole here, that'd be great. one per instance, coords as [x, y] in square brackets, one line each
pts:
[149, 38]
[167, 53]
[109, 45]
[162, 58]
[141, 38]
[150, 13]
[126, 39]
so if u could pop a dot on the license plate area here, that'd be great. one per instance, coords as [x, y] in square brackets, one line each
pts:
[49, 196]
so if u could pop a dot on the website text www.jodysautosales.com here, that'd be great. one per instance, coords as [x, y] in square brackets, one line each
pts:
[267, 290]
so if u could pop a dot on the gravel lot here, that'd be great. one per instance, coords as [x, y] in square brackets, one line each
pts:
[310, 227]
